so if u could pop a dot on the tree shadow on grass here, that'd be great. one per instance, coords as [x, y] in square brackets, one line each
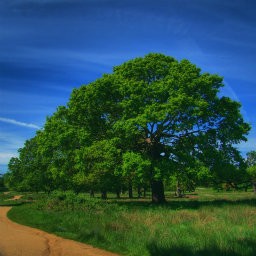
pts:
[13, 203]
[193, 204]
[249, 245]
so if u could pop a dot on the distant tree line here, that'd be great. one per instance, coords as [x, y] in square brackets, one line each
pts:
[2, 186]
[153, 122]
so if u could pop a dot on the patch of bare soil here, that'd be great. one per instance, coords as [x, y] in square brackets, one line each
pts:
[19, 240]
[15, 198]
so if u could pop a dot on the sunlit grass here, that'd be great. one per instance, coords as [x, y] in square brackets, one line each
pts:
[205, 223]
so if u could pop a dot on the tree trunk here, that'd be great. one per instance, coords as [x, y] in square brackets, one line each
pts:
[104, 195]
[91, 193]
[254, 186]
[130, 190]
[118, 194]
[139, 191]
[178, 190]
[144, 192]
[158, 196]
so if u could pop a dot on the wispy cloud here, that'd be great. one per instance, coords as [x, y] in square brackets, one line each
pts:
[15, 122]
[227, 90]
[10, 143]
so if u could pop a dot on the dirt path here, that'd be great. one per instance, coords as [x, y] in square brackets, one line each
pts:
[19, 240]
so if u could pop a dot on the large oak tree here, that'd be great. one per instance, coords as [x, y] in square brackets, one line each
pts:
[152, 118]
[165, 110]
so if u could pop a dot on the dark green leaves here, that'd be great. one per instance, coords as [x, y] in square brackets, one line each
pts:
[151, 118]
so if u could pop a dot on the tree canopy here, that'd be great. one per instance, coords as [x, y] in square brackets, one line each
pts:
[152, 118]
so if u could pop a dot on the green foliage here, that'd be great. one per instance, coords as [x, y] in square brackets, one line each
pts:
[251, 170]
[27, 172]
[152, 118]
[97, 166]
[135, 166]
[251, 158]
[251, 163]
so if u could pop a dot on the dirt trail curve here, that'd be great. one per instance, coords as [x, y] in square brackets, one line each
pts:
[19, 240]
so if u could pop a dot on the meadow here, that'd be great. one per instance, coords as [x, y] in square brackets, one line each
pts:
[205, 222]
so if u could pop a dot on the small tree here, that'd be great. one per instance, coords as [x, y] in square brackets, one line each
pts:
[26, 172]
[135, 170]
[97, 166]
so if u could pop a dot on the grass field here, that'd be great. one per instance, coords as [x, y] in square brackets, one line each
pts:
[204, 223]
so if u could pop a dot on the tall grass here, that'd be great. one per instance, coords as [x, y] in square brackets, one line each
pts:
[200, 225]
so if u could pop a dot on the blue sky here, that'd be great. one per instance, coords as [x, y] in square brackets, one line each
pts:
[49, 47]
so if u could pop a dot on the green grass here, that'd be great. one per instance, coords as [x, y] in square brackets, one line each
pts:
[204, 223]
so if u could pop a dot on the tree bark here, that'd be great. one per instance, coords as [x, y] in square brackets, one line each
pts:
[104, 195]
[91, 193]
[178, 190]
[139, 191]
[144, 192]
[130, 190]
[118, 194]
[254, 186]
[158, 196]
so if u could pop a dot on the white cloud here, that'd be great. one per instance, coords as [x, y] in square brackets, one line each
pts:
[249, 145]
[12, 121]
[5, 157]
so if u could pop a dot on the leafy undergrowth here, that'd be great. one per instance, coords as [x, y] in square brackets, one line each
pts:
[199, 225]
